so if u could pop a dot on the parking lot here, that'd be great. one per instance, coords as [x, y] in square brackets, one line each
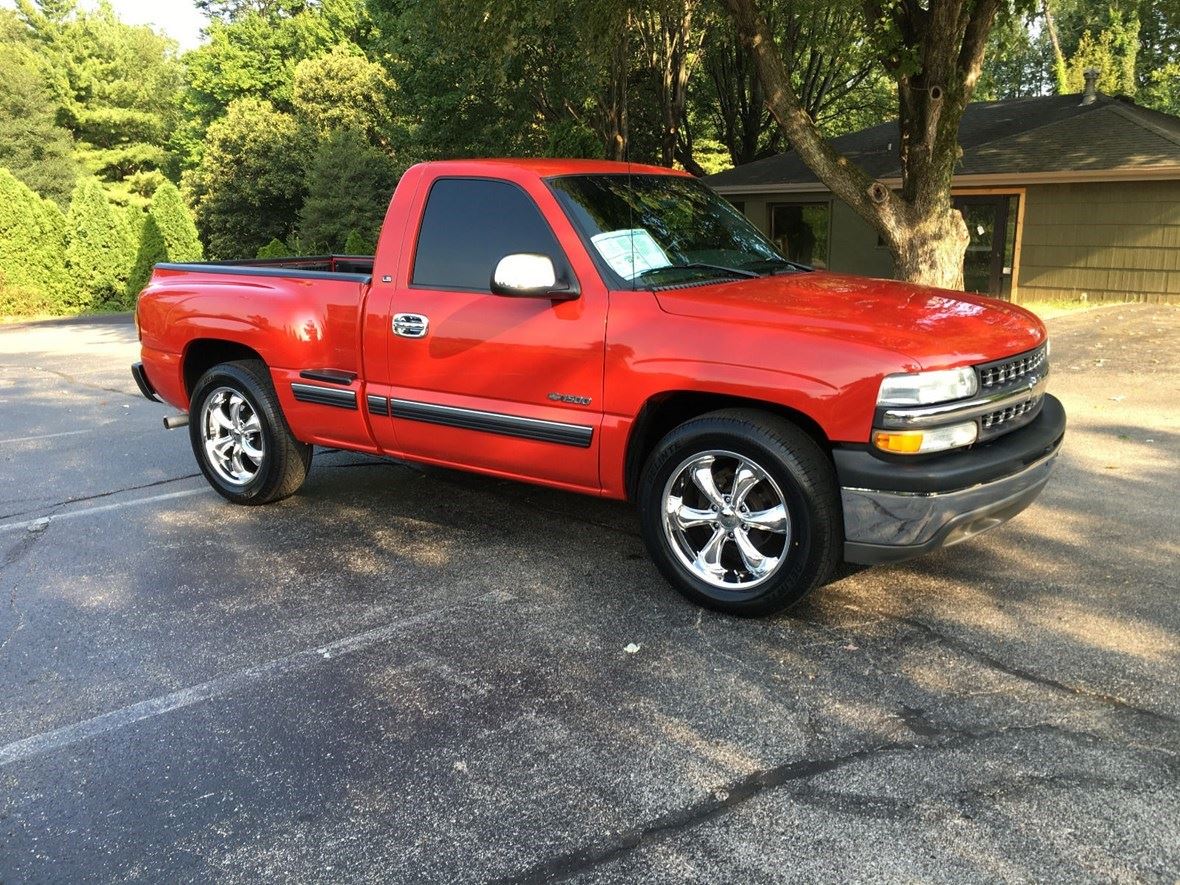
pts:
[411, 674]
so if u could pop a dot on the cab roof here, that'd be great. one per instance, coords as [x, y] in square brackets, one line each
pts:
[549, 167]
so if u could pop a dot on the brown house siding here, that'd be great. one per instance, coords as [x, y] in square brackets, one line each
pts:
[1116, 241]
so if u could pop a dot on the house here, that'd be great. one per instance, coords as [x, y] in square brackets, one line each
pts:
[1065, 197]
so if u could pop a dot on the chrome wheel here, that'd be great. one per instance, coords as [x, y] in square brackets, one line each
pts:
[232, 434]
[726, 520]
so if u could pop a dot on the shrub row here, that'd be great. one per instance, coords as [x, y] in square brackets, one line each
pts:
[97, 256]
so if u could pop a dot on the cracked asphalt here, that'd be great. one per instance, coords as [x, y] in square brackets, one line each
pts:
[408, 674]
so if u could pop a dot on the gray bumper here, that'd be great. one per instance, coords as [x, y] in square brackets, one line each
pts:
[888, 526]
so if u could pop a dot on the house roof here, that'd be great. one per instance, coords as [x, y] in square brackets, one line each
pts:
[1053, 134]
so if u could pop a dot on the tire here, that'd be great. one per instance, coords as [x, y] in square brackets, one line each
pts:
[270, 463]
[762, 563]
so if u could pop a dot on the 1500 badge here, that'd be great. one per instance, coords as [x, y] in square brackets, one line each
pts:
[570, 398]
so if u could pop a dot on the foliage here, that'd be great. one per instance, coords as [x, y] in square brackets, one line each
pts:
[358, 244]
[32, 146]
[167, 233]
[248, 188]
[1112, 53]
[32, 268]
[342, 89]
[276, 248]
[115, 86]
[253, 50]
[99, 250]
[348, 188]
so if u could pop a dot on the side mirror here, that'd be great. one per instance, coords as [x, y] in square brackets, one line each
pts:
[528, 275]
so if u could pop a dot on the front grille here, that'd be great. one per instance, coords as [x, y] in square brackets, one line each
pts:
[1011, 372]
[1009, 418]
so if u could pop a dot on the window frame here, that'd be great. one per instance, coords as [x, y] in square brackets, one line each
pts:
[561, 263]
[818, 201]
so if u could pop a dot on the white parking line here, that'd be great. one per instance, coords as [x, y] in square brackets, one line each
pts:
[103, 508]
[186, 697]
[21, 439]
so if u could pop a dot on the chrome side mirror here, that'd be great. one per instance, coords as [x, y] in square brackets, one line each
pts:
[529, 275]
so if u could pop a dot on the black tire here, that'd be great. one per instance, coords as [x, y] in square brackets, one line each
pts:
[803, 474]
[285, 461]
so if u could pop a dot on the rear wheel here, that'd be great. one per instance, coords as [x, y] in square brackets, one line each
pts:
[240, 437]
[740, 512]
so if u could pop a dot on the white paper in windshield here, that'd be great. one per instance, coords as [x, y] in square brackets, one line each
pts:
[630, 252]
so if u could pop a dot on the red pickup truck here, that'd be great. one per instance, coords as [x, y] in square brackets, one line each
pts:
[619, 331]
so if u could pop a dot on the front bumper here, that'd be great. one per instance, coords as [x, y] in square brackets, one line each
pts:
[895, 511]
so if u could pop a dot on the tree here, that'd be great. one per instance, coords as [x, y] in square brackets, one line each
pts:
[348, 189]
[934, 53]
[830, 64]
[1112, 53]
[359, 244]
[32, 270]
[116, 89]
[342, 89]
[274, 249]
[248, 188]
[32, 146]
[167, 233]
[98, 250]
[254, 48]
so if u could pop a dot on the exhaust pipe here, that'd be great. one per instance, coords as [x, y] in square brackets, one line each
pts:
[173, 421]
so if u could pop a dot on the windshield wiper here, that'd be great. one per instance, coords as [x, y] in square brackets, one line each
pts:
[783, 265]
[700, 265]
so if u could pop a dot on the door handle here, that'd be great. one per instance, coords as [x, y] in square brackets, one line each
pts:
[410, 325]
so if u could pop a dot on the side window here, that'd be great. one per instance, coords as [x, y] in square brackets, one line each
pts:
[469, 225]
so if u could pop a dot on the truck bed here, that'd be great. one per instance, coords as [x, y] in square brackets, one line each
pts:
[355, 268]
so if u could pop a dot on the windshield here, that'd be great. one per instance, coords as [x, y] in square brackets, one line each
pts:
[665, 230]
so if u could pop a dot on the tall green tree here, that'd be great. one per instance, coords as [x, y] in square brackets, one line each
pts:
[342, 89]
[253, 50]
[116, 87]
[32, 261]
[98, 250]
[32, 145]
[934, 53]
[167, 233]
[249, 186]
[349, 184]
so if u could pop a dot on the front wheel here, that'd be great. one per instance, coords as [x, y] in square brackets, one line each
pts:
[740, 512]
[240, 437]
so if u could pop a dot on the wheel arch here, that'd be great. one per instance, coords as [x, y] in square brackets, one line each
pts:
[202, 354]
[665, 411]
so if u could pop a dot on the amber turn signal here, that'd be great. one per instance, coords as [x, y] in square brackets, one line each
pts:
[921, 442]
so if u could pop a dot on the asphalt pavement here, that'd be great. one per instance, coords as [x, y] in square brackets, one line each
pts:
[411, 674]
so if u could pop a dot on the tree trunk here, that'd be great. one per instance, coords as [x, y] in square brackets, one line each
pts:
[931, 250]
[925, 234]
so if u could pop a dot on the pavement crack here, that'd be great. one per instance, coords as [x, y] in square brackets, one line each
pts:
[724, 799]
[70, 379]
[15, 554]
[99, 495]
[995, 663]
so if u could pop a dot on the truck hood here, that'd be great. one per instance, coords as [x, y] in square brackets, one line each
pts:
[936, 328]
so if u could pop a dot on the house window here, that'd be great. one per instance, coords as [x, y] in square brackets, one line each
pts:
[802, 231]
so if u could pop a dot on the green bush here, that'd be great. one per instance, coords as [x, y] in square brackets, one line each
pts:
[358, 244]
[348, 187]
[168, 234]
[99, 250]
[32, 270]
[276, 248]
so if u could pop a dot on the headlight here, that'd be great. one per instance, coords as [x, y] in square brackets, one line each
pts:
[923, 388]
[923, 442]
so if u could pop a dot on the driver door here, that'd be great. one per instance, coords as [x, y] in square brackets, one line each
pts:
[509, 385]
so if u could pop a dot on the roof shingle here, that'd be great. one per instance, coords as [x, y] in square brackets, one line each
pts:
[1045, 134]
